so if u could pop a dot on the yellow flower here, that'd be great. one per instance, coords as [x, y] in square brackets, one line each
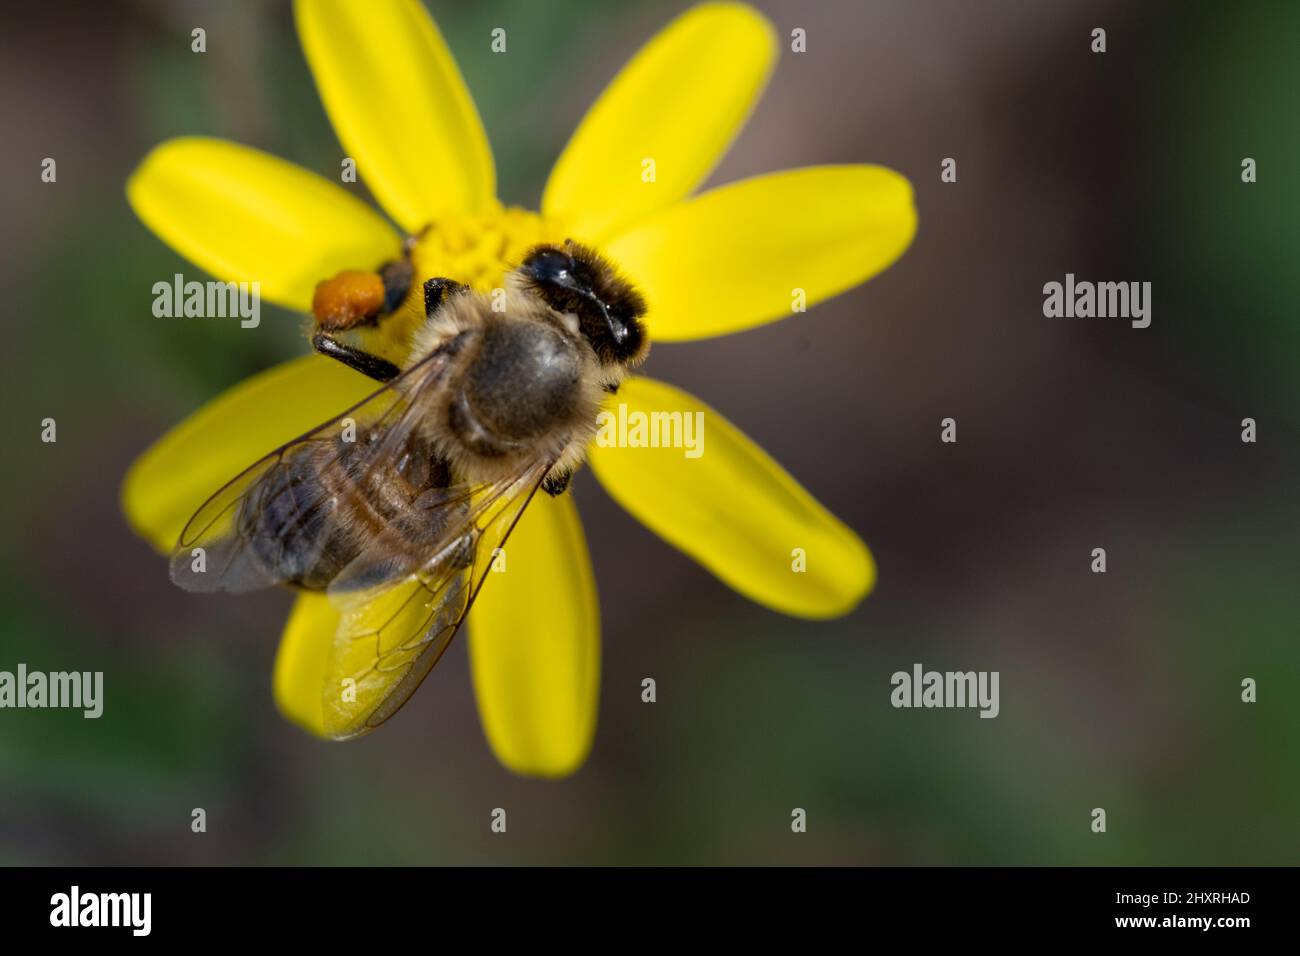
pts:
[708, 264]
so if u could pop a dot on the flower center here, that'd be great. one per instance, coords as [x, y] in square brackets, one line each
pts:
[479, 250]
[476, 250]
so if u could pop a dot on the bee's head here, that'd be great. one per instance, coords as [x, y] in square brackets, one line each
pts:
[575, 280]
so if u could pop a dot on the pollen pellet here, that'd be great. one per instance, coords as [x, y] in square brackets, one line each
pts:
[348, 298]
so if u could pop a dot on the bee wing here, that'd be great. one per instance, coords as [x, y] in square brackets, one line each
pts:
[443, 523]
[390, 636]
[278, 513]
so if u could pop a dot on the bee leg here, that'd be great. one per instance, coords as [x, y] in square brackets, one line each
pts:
[398, 274]
[556, 483]
[437, 291]
[462, 553]
[396, 277]
[372, 366]
[413, 240]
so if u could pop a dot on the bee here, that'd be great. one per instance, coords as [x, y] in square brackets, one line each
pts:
[395, 507]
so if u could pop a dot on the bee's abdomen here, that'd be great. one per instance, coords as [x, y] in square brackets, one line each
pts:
[291, 526]
[318, 508]
[524, 379]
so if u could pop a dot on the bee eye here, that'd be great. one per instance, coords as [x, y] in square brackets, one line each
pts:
[619, 329]
[548, 265]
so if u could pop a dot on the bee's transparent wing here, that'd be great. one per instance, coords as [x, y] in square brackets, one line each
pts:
[405, 571]
[391, 635]
[278, 517]
[438, 524]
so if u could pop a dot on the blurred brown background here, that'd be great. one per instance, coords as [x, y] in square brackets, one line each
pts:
[1118, 690]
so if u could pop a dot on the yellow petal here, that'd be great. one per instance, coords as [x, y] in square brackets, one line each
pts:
[535, 644]
[399, 106]
[168, 483]
[678, 103]
[302, 659]
[731, 507]
[738, 256]
[244, 215]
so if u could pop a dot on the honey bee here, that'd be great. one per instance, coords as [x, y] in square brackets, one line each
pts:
[395, 507]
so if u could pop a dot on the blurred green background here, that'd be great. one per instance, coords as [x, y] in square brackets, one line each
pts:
[1118, 691]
